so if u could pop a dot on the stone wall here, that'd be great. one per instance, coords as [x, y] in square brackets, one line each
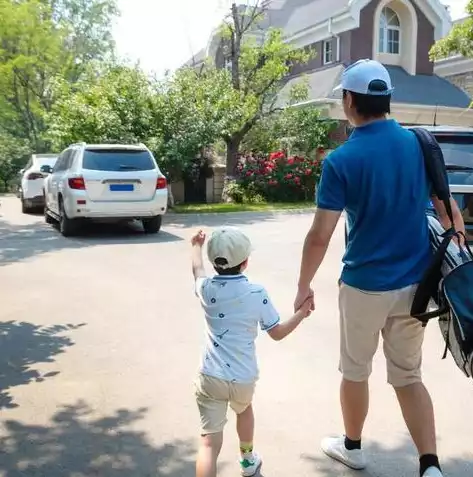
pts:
[218, 181]
[463, 81]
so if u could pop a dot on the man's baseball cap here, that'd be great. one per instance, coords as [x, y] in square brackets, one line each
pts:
[228, 247]
[366, 77]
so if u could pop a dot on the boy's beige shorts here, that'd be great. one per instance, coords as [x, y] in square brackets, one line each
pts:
[213, 396]
[364, 316]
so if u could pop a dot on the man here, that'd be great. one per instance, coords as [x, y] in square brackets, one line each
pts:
[378, 178]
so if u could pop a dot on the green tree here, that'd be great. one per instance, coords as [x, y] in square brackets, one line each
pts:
[259, 59]
[13, 156]
[115, 107]
[43, 40]
[300, 130]
[192, 110]
[458, 41]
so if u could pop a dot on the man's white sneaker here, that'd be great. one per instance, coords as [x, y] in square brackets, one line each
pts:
[432, 472]
[335, 448]
[250, 468]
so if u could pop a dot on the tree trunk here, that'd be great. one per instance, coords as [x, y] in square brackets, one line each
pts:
[233, 145]
[170, 197]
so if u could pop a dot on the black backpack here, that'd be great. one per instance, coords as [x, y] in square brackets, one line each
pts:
[449, 279]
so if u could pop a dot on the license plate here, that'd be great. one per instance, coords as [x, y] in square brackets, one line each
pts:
[122, 187]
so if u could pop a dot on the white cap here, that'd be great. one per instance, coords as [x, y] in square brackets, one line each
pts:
[361, 77]
[229, 247]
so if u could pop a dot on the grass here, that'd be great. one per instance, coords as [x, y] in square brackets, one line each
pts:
[230, 207]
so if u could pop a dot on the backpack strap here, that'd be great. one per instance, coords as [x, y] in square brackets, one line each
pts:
[437, 174]
[435, 169]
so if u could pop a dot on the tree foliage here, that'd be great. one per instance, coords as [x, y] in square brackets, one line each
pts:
[13, 154]
[43, 41]
[458, 41]
[259, 59]
[299, 130]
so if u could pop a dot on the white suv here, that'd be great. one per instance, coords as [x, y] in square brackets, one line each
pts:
[115, 182]
[32, 180]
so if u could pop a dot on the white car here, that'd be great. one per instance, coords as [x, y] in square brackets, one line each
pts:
[32, 181]
[105, 182]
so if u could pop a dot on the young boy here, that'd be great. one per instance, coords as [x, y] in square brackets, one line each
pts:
[234, 307]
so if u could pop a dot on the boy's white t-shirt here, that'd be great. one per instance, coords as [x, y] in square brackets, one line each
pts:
[234, 309]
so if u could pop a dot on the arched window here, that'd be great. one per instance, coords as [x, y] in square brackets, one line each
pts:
[389, 32]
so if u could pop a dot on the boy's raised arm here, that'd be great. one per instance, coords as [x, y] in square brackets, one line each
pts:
[197, 242]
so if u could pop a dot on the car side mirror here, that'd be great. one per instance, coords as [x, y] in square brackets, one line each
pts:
[46, 169]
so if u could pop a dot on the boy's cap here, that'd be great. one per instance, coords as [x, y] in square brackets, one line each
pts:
[366, 77]
[228, 247]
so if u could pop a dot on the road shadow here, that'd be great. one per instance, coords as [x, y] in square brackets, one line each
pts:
[231, 218]
[22, 345]
[401, 461]
[77, 443]
[21, 242]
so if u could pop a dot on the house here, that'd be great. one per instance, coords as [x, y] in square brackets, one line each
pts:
[399, 33]
[457, 69]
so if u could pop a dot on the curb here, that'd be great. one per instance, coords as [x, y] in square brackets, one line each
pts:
[273, 213]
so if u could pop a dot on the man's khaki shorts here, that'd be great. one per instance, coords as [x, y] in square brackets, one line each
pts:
[213, 396]
[364, 316]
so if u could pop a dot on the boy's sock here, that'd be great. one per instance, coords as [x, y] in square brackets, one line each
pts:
[246, 450]
[351, 444]
[426, 461]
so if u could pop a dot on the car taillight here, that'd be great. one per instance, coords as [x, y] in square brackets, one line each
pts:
[32, 176]
[161, 183]
[77, 183]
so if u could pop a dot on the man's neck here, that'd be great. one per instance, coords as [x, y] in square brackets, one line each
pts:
[365, 121]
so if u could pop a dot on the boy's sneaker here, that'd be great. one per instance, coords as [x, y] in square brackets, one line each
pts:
[335, 448]
[432, 472]
[250, 467]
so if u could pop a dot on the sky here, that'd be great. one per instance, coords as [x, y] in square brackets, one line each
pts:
[162, 34]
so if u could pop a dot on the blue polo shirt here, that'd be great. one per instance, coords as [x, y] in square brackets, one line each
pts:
[378, 178]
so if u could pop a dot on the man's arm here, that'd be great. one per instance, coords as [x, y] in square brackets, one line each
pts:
[315, 247]
[443, 217]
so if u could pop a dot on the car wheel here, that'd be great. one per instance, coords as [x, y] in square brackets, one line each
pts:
[67, 226]
[47, 218]
[24, 206]
[153, 225]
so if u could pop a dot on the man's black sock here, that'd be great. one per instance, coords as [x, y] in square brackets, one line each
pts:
[426, 461]
[352, 445]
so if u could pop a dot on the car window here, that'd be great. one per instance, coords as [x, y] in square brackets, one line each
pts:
[69, 158]
[457, 150]
[59, 166]
[117, 160]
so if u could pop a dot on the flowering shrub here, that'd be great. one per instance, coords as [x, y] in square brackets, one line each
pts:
[278, 177]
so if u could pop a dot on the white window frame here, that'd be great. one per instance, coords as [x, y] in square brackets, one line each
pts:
[328, 51]
[384, 28]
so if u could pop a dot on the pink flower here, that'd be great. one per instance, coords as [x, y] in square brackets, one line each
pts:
[290, 161]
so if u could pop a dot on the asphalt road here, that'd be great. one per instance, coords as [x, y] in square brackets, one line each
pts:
[100, 338]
